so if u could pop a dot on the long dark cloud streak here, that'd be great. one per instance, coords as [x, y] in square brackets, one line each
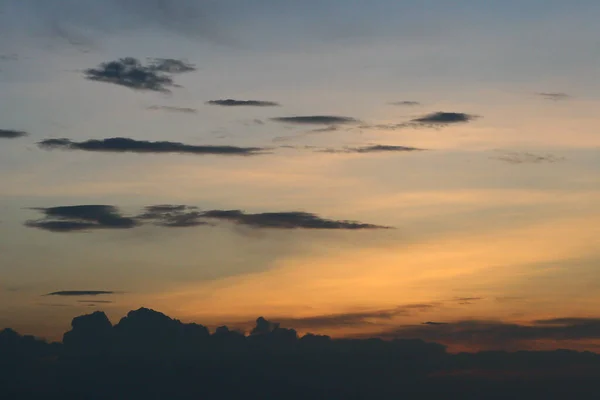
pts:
[127, 145]
[242, 103]
[316, 120]
[78, 293]
[11, 134]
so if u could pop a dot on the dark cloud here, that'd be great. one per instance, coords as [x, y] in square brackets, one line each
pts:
[286, 220]
[81, 218]
[555, 96]
[316, 120]
[95, 301]
[11, 134]
[171, 65]
[242, 103]
[186, 110]
[173, 216]
[372, 149]
[501, 335]
[405, 103]
[79, 293]
[528, 158]
[443, 118]
[131, 73]
[93, 217]
[468, 299]
[127, 145]
[353, 319]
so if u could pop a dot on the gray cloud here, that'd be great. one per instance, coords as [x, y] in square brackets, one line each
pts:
[316, 120]
[185, 110]
[528, 158]
[286, 220]
[93, 217]
[353, 319]
[554, 96]
[81, 218]
[95, 301]
[11, 134]
[173, 216]
[379, 148]
[497, 334]
[443, 118]
[131, 73]
[78, 293]
[242, 103]
[127, 145]
[405, 103]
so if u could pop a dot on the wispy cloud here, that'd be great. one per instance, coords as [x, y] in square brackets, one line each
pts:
[286, 220]
[83, 218]
[11, 134]
[379, 148]
[527, 158]
[405, 103]
[555, 96]
[316, 120]
[185, 110]
[78, 293]
[242, 103]
[127, 145]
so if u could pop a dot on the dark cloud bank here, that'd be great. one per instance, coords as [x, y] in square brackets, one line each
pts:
[242, 103]
[79, 293]
[378, 148]
[438, 119]
[11, 134]
[94, 217]
[131, 73]
[127, 145]
[149, 355]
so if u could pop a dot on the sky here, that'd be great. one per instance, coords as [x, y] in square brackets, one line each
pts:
[384, 168]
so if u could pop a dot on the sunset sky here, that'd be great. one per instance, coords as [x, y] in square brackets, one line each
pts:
[490, 191]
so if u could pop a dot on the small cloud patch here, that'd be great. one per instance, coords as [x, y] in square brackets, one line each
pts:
[242, 103]
[11, 134]
[316, 120]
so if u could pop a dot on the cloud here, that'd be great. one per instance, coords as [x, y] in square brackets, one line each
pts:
[173, 216]
[171, 65]
[95, 301]
[498, 334]
[78, 293]
[352, 319]
[527, 158]
[131, 73]
[93, 217]
[238, 103]
[286, 220]
[379, 148]
[173, 109]
[316, 120]
[127, 145]
[555, 96]
[443, 118]
[405, 103]
[81, 218]
[11, 134]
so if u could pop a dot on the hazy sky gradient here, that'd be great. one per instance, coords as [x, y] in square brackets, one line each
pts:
[502, 207]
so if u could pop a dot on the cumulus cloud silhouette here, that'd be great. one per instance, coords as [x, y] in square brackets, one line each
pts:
[79, 293]
[316, 120]
[127, 145]
[81, 218]
[186, 110]
[242, 103]
[11, 134]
